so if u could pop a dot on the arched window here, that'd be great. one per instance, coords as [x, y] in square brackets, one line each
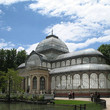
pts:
[108, 80]
[69, 82]
[67, 62]
[94, 60]
[53, 65]
[53, 83]
[63, 82]
[85, 81]
[44, 64]
[58, 82]
[73, 62]
[63, 63]
[85, 60]
[76, 81]
[58, 64]
[35, 83]
[102, 81]
[42, 83]
[48, 65]
[79, 61]
[93, 80]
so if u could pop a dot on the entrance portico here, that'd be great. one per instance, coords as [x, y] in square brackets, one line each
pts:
[36, 81]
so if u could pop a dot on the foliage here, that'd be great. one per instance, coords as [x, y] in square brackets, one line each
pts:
[21, 57]
[11, 59]
[2, 80]
[14, 80]
[105, 50]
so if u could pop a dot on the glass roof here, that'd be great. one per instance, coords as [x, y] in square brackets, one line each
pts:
[52, 42]
[80, 53]
[82, 67]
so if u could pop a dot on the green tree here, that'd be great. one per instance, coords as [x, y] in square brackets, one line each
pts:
[2, 59]
[21, 57]
[105, 50]
[2, 81]
[10, 59]
[13, 81]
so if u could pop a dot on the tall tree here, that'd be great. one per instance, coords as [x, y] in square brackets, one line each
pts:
[13, 81]
[21, 57]
[105, 49]
[2, 60]
[10, 59]
[2, 81]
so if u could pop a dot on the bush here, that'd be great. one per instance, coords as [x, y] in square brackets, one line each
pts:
[41, 97]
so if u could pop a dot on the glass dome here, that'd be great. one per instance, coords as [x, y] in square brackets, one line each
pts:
[52, 42]
[33, 61]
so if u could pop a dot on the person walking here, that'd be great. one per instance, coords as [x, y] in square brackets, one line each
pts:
[91, 95]
[73, 95]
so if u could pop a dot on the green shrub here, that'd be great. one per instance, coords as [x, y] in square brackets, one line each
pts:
[41, 97]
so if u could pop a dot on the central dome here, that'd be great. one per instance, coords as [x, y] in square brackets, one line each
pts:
[52, 42]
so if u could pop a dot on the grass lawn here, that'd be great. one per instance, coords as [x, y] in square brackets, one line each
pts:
[89, 105]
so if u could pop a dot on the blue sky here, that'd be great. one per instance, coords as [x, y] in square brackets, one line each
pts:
[81, 24]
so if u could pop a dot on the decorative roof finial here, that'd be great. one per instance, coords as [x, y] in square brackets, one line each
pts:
[52, 31]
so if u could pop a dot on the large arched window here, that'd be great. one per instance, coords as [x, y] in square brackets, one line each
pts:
[102, 81]
[35, 83]
[63, 82]
[85, 81]
[42, 83]
[76, 81]
[93, 80]
[58, 82]
[53, 83]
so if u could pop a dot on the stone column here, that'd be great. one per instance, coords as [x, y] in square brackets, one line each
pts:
[26, 84]
[38, 84]
[47, 83]
[31, 85]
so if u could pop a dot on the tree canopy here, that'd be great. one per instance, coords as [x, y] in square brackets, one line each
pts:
[11, 59]
[105, 50]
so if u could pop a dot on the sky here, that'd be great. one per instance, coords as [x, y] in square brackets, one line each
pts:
[81, 24]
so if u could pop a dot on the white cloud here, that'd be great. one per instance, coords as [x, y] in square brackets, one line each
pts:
[31, 48]
[1, 11]
[75, 46]
[6, 45]
[20, 48]
[9, 2]
[7, 28]
[78, 31]
[91, 10]
[107, 32]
